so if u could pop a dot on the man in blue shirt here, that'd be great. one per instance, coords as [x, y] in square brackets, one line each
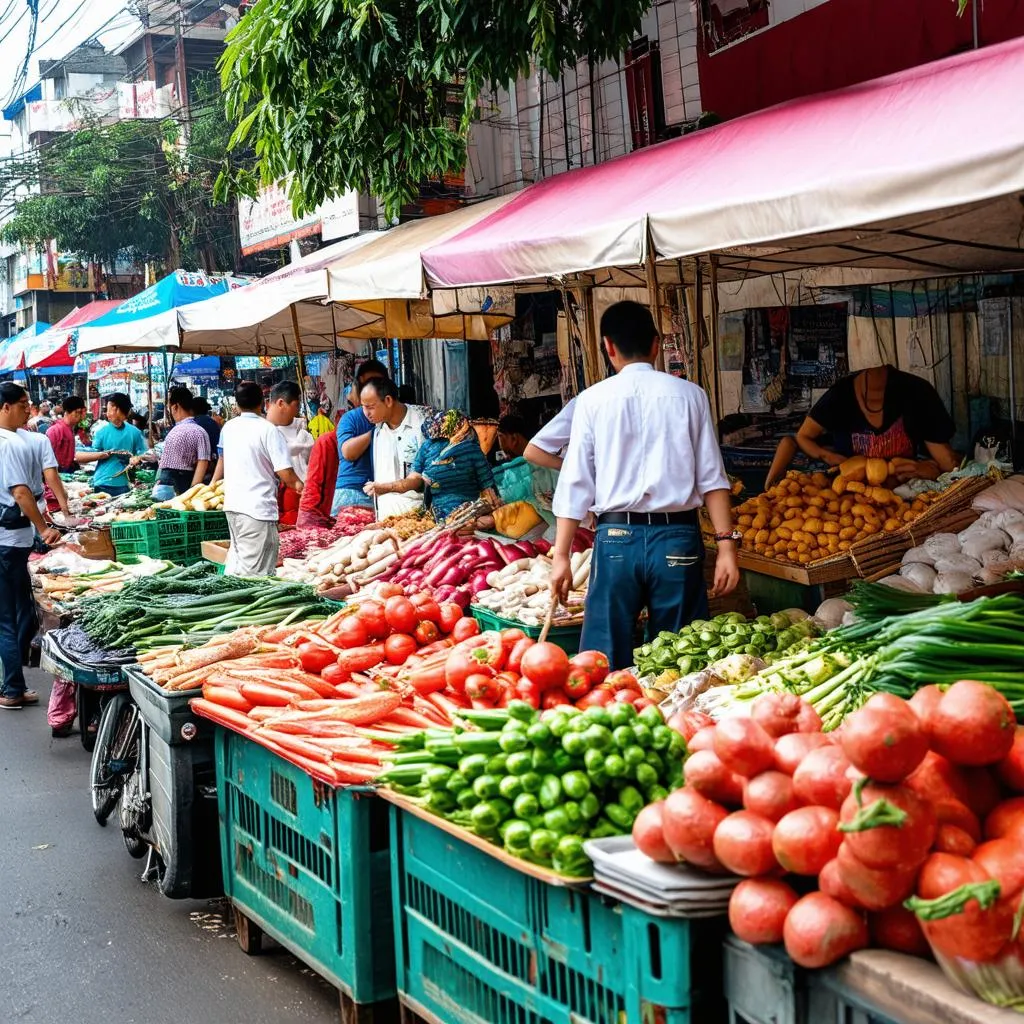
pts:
[116, 443]
[355, 433]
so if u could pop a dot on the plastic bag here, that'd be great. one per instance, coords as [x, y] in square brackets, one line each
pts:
[60, 712]
[953, 582]
[919, 554]
[919, 573]
[940, 544]
[957, 563]
[514, 481]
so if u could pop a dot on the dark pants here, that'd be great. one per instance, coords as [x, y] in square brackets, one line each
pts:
[115, 490]
[660, 568]
[17, 618]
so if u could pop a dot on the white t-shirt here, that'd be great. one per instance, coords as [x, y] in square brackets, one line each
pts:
[300, 445]
[20, 465]
[254, 451]
[46, 457]
[553, 437]
[394, 449]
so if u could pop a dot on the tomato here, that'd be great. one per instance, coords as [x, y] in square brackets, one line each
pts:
[758, 908]
[485, 648]
[593, 663]
[821, 778]
[627, 695]
[371, 614]
[874, 888]
[1011, 768]
[831, 883]
[529, 692]
[509, 638]
[952, 839]
[805, 840]
[458, 667]
[335, 674]
[1002, 861]
[465, 628]
[705, 772]
[770, 795]
[578, 684]
[451, 615]
[972, 724]
[896, 928]
[400, 613]
[884, 739]
[953, 812]
[649, 834]
[782, 713]
[936, 779]
[429, 611]
[887, 826]
[688, 723]
[546, 664]
[689, 823]
[315, 658]
[744, 746]
[351, 632]
[620, 678]
[702, 739]
[386, 590]
[398, 648]
[515, 657]
[426, 632]
[792, 748]
[924, 701]
[482, 687]
[820, 930]
[983, 792]
[743, 844]
[1007, 819]
[554, 698]
[643, 703]
[595, 699]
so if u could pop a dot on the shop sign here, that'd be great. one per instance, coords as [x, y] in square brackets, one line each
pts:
[67, 272]
[28, 271]
[269, 223]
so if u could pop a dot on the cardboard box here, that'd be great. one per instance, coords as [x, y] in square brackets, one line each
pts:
[96, 544]
[215, 550]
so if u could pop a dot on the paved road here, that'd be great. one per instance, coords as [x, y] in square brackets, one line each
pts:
[85, 942]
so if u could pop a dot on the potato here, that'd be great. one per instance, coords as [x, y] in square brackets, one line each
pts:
[848, 533]
[891, 525]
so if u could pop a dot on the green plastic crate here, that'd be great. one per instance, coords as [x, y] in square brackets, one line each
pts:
[157, 538]
[566, 637]
[199, 525]
[310, 865]
[478, 941]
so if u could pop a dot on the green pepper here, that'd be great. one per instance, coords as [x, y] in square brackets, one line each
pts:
[540, 735]
[621, 713]
[576, 785]
[473, 766]
[665, 658]
[632, 799]
[615, 766]
[525, 806]
[521, 711]
[498, 764]
[622, 736]
[656, 793]
[531, 781]
[652, 716]
[561, 761]
[543, 843]
[593, 760]
[655, 760]
[642, 734]
[510, 786]
[635, 754]
[619, 816]
[457, 782]
[486, 818]
[604, 829]
[557, 723]
[487, 786]
[466, 798]
[519, 764]
[557, 821]
[590, 806]
[598, 737]
[600, 715]
[569, 858]
[677, 748]
[714, 653]
[513, 742]
[658, 642]
[578, 723]
[550, 794]
[646, 776]
[574, 744]
[540, 759]
[517, 836]
[514, 725]
[682, 645]
[441, 802]
[437, 777]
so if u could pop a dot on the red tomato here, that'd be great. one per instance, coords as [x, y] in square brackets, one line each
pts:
[451, 615]
[546, 664]
[515, 657]
[400, 613]
[554, 698]
[509, 639]
[688, 723]
[429, 611]
[743, 843]
[884, 739]
[578, 684]
[508, 679]
[421, 597]
[643, 702]
[758, 908]
[593, 663]
[595, 699]
[335, 674]
[426, 633]
[398, 648]
[529, 692]
[627, 695]
[465, 628]
[386, 590]
[620, 679]
[458, 668]
[315, 658]
[371, 614]
[972, 724]
[351, 632]
[482, 687]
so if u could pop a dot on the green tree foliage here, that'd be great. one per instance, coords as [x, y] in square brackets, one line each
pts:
[379, 95]
[134, 190]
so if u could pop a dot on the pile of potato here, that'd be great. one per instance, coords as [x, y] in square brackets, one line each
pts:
[200, 498]
[809, 516]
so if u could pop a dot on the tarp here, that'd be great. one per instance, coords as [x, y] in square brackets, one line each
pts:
[920, 171]
[205, 367]
[49, 351]
[149, 320]
[12, 351]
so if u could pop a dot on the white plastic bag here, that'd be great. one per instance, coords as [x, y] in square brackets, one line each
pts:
[952, 582]
[940, 544]
[918, 573]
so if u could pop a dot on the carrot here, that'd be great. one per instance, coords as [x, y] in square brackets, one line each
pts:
[263, 693]
[225, 696]
[307, 748]
[349, 690]
[259, 714]
[221, 715]
[368, 708]
[425, 706]
[316, 769]
[353, 774]
[284, 682]
[445, 705]
[313, 727]
[338, 745]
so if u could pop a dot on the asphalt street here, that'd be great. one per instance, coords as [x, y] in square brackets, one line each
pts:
[85, 941]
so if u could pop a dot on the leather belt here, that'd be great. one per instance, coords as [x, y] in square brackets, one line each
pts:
[688, 517]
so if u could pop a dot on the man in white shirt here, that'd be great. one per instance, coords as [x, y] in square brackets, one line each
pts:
[255, 456]
[547, 446]
[644, 456]
[397, 436]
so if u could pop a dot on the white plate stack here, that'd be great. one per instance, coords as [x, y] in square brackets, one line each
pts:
[666, 890]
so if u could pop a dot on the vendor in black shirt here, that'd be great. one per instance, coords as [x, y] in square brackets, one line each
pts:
[882, 413]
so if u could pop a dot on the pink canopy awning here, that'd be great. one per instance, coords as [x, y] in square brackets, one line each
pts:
[919, 171]
[50, 348]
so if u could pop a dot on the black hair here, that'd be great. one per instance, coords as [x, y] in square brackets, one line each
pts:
[407, 393]
[73, 403]
[200, 406]
[136, 419]
[373, 367]
[512, 424]
[630, 328]
[286, 390]
[118, 400]
[249, 396]
[181, 396]
[11, 393]
[383, 386]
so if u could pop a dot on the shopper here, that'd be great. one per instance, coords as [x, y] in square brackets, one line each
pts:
[44, 419]
[254, 457]
[115, 445]
[355, 432]
[300, 445]
[20, 471]
[48, 488]
[547, 447]
[186, 456]
[644, 456]
[397, 436]
[61, 434]
[201, 414]
[512, 436]
[318, 487]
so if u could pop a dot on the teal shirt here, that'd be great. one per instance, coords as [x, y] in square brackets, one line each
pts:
[109, 438]
[460, 476]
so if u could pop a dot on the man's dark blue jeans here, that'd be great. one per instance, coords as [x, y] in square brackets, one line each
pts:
[17, 618]
[660, 568]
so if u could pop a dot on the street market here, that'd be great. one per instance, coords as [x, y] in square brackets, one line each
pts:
[602, 698]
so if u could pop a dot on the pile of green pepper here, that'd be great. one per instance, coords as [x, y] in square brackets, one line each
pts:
[705, 641]
[539, 783]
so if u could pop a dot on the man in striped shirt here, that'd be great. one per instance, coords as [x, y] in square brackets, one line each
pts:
[186, 454]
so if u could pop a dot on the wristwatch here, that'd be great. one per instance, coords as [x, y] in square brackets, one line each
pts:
[735, 536]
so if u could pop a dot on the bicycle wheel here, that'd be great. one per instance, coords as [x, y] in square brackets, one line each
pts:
[113, 757]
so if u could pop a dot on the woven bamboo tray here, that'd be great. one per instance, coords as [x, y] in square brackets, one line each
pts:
[878, 555]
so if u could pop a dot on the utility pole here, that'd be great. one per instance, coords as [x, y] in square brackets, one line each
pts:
[179, 65]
